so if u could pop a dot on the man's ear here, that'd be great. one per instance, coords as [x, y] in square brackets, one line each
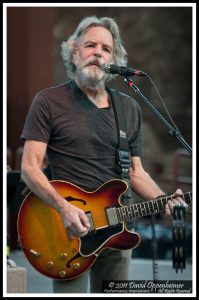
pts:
[74, 56]
[74, 53]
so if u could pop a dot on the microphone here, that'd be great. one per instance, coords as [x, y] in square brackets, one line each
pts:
[124, 71]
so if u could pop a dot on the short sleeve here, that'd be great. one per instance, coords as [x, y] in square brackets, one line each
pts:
[38, 121]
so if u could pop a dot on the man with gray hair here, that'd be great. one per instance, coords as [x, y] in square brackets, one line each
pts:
[74, 124]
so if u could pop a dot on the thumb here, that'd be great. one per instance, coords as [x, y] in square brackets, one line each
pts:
[84, 220]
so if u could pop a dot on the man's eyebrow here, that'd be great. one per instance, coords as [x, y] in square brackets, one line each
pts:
[89, 42]
[93, 42]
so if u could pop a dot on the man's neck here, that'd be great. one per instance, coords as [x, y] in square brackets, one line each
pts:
[97, 94]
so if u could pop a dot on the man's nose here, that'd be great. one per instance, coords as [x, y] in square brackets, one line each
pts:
[98, 51]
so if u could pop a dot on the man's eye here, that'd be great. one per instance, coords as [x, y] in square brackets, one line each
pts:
[107, 50]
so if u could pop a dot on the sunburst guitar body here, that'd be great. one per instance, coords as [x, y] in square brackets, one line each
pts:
[45, 240]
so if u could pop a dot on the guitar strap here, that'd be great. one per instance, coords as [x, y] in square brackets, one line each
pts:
[123, 153]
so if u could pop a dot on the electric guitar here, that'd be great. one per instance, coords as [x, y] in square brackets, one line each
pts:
[45, 240]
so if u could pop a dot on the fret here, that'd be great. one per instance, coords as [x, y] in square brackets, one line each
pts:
[143, 207]
[150, 206]
[147, 208]
[163, 201]
[160, 204]
[132, 211]
[126, 213]
[118, 212]
[156, 210]
[139, 209]
[124, 216]
[136, 212]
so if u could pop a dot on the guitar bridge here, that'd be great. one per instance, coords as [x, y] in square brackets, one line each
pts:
[112, 216]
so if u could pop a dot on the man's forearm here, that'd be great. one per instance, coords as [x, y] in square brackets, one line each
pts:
[145, 186]
[39, 184]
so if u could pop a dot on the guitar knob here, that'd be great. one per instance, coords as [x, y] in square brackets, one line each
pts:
[50, 265]
[63, 256]
[62, 274]
[76, 266]
[34, 253]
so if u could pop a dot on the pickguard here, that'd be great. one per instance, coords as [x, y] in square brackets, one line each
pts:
[92, 242]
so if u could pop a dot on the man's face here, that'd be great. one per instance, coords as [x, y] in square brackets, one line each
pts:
[95, 48]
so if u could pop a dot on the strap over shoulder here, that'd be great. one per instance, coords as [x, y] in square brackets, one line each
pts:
[123, 153]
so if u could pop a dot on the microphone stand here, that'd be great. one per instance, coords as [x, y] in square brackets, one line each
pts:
[172, 131]
[155, 249]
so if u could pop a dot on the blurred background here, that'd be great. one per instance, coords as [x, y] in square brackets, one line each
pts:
[158, 41]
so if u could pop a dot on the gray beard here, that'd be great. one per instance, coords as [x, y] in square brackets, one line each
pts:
[90, 80]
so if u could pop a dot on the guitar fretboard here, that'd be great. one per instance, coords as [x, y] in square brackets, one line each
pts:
[146, 208]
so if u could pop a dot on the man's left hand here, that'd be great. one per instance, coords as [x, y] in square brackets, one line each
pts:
[176, 200]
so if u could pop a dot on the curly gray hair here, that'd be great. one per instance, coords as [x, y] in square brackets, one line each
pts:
[68, 47]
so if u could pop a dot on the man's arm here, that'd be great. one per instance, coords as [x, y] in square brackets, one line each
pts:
[74, 219]
[147, 188]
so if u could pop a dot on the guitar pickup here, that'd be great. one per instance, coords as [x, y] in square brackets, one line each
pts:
[112, 216]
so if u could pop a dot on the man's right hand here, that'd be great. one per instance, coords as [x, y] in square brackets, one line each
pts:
[74, 220]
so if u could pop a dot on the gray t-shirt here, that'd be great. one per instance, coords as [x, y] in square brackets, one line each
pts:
[82, 138]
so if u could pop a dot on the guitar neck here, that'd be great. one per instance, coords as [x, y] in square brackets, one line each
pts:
[127, 213]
